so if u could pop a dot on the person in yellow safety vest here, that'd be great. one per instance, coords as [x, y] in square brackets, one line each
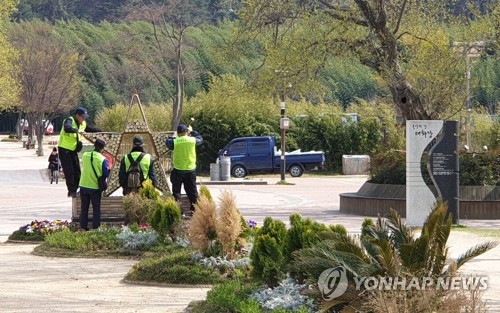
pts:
[70, 143]
[145, 166]
[184, 163]
[94, 165]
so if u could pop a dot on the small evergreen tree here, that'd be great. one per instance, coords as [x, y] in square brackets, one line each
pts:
[267, 260]
[166, 218]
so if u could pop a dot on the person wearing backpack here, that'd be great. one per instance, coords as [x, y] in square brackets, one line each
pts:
[95, 171]
[136, 167]
[184, 163]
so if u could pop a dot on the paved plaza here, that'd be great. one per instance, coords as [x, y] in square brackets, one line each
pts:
[31, 283]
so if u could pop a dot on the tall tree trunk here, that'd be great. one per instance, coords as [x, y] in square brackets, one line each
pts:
[179, 87]
[39, 131]
[31, 125]
[19, 126]
[406, 99]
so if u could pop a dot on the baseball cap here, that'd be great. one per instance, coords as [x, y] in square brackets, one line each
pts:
[182, 128]
[82, 111]
[99, 143]
[138, 141]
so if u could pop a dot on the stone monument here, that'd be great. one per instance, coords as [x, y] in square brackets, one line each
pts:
[441, 140]
[444, 168]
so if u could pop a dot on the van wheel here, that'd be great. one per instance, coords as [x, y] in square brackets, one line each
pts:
[296, 170]
[239, 171]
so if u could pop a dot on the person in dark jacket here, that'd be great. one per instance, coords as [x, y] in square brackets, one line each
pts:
[146, 165]
[70, 143]
[94, 165]
[53, 160]
[184, 163]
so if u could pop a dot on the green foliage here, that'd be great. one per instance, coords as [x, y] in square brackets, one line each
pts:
[346, 81]
[137, 208]
[166, 218]
[95, 240]
[174, 266]
[388, 248]
[231, 109]
[149, 191]
[326, 128]
[338, 229]
[9, 86]
[231, 296]
[388, 167]
[303, 233]
[25, 236]
[267, 260]
[366, 226]
[113, 118]
[204, 191]
[275, 229]
[477, 169]
[482, 169]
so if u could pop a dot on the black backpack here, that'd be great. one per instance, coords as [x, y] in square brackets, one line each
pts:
[135, 177]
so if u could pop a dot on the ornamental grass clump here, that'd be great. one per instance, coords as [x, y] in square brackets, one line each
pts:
[203, 226]
[228, 226]
[138, 208]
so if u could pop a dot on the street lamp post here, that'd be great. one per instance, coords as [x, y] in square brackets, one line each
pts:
[283, 138]
[470, 50]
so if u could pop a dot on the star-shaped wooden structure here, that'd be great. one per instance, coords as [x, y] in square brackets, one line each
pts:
[120, 144]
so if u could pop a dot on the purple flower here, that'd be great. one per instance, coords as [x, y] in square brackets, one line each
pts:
[252, 224]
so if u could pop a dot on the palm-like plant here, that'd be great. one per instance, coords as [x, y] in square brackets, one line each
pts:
[388, 248]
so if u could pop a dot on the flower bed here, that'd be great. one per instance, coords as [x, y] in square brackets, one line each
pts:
[37, 230]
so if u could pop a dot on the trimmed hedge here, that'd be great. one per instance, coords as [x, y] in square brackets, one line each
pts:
[481, 169]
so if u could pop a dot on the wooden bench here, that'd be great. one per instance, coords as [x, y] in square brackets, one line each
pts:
[112, 212]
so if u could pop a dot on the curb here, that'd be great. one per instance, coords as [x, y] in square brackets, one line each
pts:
[166, 285]
[23, 242]
[232, 182]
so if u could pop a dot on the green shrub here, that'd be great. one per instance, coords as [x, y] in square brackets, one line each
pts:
[388, 167]
[175, 266]
[148, 191]
[96, 240]
[478, 169]
[166, 218]
[204, 191]
[481, 169]
[366, 226]
[137, 208]
[267, 260]
[25, 236]
[275, 229]
[233, 296]
[113, 118]
[302, 234]
[339, 229]
[231, 109]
